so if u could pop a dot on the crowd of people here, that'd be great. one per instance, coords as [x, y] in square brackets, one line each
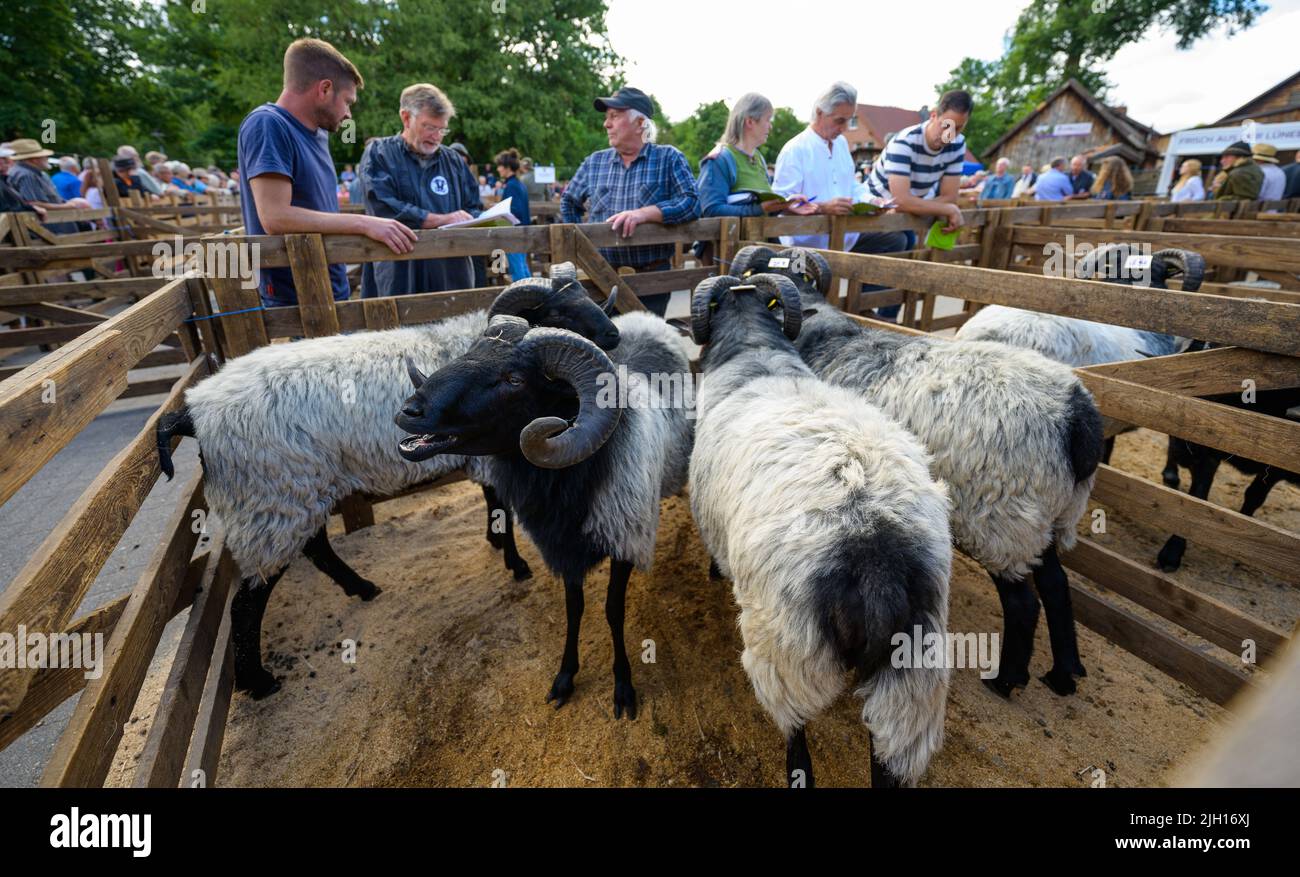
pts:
[415, 179]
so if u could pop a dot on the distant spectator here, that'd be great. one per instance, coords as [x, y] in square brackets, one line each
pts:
[1274, 185]
[147, 183]
[123, 176]
[484, 188]
[93, 187]
[999, 186]
[1081, 179]
[1025, 182]
[1242, 177]
[734, 174]
[1292, 174]
[528, 176]
[1190, 186]
[10, 200]
[286, 173]
[513, 188]
[66, 181]
[1054, 185]
[1114, 182]
[632, 182]
[411, 178]
[34, 187]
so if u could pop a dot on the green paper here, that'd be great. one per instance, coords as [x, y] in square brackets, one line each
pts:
[862, 208]
[937, 240]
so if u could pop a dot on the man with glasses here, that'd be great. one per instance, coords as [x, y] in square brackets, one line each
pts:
[410, 177]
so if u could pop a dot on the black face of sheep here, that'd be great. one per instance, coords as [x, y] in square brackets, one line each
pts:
[516, 389]
[755, 294]
[560, 302]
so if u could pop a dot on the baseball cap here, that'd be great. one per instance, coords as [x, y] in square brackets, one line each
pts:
[626, 98]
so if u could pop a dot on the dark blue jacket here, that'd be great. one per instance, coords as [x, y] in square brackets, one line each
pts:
[514, 190]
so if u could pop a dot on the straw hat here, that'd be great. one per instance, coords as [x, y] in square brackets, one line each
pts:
[27, 148]
[1265, 152]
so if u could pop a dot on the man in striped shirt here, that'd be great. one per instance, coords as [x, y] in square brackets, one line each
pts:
[920, 170]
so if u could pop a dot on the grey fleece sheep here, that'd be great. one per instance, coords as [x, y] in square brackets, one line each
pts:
[822, 512]
[288, 430]
[580, 445]
[1015, 436]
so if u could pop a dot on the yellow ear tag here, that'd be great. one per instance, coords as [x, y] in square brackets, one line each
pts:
[772, 304]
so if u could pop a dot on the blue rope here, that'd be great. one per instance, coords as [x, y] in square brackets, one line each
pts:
[224, 314]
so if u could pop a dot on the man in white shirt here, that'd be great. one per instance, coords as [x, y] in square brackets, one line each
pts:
[816, 163]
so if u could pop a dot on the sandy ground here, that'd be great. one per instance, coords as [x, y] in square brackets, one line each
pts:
[454, 659]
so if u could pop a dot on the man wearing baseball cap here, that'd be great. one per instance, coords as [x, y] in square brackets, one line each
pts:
[1244, 176]
[633, 182]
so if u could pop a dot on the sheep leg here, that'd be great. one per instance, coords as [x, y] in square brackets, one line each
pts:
[321, 554]
[246, 611]
[1170, 473]
[615, 603]
[1203, 469]
[798, 761]
[1019, 618]
[1107, 448]
[1054, 590]
[881, 778]
[494, 538]
[1258, 490]
[562, 687]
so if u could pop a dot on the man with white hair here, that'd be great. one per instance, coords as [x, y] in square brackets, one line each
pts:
[817, 164]
[632, 182]
[411, 178]
[999, 186]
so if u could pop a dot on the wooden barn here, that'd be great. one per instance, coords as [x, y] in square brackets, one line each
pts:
[1072, 121]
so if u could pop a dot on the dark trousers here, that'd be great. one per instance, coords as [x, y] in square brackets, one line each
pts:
[877, 243]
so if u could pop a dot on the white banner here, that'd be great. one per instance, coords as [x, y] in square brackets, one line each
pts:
[543, 173]
[1073, 129]
[1212, 141]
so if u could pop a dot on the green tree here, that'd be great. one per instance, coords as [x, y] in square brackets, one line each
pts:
[1056, 40]
[784, 126]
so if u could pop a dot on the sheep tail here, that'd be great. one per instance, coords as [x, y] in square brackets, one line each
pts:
[171, 425]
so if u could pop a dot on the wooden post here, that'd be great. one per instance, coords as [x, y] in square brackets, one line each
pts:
[604, 275]
[728, 243]
[311, 279]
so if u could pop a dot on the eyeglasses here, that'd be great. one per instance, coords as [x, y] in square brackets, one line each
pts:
[436, 130]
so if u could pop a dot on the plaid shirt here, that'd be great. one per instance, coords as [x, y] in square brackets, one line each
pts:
[658, 176]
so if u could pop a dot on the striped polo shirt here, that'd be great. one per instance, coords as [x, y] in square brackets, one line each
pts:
[908, 156]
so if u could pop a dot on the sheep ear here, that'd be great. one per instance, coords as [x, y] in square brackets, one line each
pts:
[417, 377]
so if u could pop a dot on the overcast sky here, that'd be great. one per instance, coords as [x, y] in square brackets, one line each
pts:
[688, 53]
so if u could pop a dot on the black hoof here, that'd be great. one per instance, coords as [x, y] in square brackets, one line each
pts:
[561, 689]
[262, 685]
[1002, 686]
[367, 591]
[1060, 682]
[1170, 478]
[624, 699]
[522, 571]
[495, 539]
[1169, 561]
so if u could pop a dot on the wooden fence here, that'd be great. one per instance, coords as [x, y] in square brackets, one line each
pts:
[218, 317]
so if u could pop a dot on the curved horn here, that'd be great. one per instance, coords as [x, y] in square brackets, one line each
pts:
[551, 442]
[564, 273]
[1190, 264]
[610, 304]
[787, 293]
[1096, 264]
[417, 377]
[816, 267]
[701, 301]
[520, 296]
[752, 258]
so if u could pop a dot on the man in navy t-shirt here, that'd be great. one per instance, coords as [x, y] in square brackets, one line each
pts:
[286, 180]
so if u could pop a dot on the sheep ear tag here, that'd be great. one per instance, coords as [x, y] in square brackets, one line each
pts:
[778, 262]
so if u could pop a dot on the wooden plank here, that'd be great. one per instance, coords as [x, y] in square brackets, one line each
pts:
[1255, 227]
[58, 313]
[311, 279]
[210, 725]
[1204, 673]
[591, 261]
[85, 750]
[242, 325]
[53, 582]
[1207, 372]
[201, 306]
[380, 313]
[1226, 250]
[163, 755]
[1270, 440]
[1255, 543]
[85, 377]
[1224, 289]
[1153, 590]
[1267, 326]
[52, 686]
[425, 307]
